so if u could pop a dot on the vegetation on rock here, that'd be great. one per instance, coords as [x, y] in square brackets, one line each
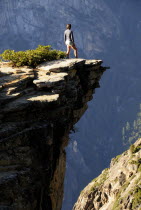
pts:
[134, 149]
[100, 180]
[118, 187]
[32, 57]
[137, 198]
[115, 160]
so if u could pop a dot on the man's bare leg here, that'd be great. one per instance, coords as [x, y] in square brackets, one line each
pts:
[75, 51]
[68, 51]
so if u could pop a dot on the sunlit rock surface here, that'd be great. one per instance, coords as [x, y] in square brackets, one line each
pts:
[117, 187]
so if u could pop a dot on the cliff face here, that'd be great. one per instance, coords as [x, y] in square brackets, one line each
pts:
[118, 187]
[38, 109]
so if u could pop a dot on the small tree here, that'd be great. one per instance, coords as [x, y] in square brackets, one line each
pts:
[32, 58]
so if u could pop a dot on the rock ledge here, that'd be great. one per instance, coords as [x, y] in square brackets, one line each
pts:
[38, 108]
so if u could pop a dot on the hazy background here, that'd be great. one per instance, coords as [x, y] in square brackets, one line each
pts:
[107, 30]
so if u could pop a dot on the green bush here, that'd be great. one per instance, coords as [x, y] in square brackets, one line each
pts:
[137, 198]
[32, 57]
[134, 149]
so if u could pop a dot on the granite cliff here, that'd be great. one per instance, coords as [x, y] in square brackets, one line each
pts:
[117, 187]
[109, 30]
[39, 108]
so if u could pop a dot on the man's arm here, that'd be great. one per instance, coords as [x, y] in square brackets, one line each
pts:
[64, 36]
[72, 37]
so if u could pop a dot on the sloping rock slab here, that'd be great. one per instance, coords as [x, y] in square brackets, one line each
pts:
[60, 65]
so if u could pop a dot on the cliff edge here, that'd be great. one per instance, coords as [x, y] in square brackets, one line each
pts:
[38, 108]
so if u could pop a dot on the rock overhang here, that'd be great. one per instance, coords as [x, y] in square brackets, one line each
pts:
[38, 108]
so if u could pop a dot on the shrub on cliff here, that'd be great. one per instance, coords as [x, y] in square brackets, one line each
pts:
[32, 57]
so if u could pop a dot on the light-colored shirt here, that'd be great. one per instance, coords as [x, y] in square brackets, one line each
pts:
[68, 35]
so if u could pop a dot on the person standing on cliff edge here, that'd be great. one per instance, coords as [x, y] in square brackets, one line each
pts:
[69, 41]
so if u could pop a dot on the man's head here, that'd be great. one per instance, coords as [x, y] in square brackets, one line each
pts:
[68, 26]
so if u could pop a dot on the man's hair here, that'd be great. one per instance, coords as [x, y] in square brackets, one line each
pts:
[68, 26]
